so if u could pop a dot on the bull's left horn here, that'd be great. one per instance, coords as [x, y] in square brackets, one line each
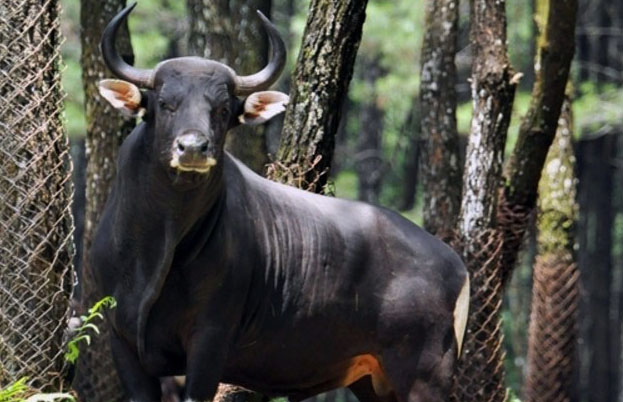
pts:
[142, 78]
[263, 79]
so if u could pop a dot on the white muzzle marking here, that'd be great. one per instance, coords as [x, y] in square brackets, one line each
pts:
[175, 163]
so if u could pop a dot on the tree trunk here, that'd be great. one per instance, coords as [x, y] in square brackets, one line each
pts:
[410, 173]
[96, 377]
[231, 32]
[603, 364]
[319, 85]
[552, 354]
[35, 197]
[556, 22]
[369, 159]
[439, 162]
[480, 373]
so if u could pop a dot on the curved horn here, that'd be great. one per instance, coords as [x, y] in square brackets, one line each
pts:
[263, 79]
[142, 78]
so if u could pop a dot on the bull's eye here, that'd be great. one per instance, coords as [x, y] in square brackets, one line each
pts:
[166, 106]
[222, 113]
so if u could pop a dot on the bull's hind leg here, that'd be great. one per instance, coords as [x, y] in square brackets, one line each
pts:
[422, 373]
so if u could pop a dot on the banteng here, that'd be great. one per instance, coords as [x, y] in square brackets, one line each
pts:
[222, 275]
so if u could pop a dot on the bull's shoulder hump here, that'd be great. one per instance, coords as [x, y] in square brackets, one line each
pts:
[256, 187]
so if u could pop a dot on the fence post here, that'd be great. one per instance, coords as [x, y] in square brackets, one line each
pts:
[35, 197]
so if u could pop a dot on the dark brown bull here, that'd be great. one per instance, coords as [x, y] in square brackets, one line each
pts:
[222, 275]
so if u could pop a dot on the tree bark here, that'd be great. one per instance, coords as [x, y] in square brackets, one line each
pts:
[96, 377]
[231, 32]
[410, 173]
[603, 364]
[480, 372]
[369, 159]
[439, 161]
[319, 84]
[36, 226]
[556, 23]
[552, 354]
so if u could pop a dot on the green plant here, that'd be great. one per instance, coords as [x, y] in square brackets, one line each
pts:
[87, 323]
[17, 392]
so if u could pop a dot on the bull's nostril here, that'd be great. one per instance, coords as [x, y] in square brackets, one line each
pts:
[180, 147]
[204, 148]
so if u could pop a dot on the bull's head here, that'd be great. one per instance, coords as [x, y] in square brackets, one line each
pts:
[190, 102]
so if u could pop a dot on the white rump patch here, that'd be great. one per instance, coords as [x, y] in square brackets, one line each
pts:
[461, 312]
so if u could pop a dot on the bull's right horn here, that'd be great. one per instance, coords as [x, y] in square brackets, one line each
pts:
[139, 77]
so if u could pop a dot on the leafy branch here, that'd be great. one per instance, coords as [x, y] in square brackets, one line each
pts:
[82, 333]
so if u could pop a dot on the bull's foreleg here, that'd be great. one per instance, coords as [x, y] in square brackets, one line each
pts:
[140, 386]
[205, 362]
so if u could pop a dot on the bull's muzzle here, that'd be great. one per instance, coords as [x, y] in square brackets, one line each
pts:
[192, 152]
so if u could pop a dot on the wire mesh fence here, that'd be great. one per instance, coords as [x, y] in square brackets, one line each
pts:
[35, 197]
[479, 375]
[553, 330]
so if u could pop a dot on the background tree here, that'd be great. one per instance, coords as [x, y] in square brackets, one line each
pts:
[35, 197]
[231, 32]
[96, 378]
[369, 162]
[552, 352]
[480, 374]
[556, 23]
[440, 162]
[319, 84]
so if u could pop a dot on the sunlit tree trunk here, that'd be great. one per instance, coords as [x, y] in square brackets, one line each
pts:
[552, 353]
[231, 32]
[480, 373]
[96, 378]
[318, 87]
[440, 169]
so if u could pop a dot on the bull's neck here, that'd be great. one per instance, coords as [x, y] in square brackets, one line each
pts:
[185, 204]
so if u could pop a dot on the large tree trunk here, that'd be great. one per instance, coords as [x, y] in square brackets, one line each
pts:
[556, 23]
[231, 32]
[480, 373]
[552, 354]
[369, 159]
[439, 161]
[598, 179]
[319, 85]
[96, 378]
[35, 197]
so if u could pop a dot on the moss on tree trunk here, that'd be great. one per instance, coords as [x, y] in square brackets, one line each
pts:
[552, 355]
[556, 24]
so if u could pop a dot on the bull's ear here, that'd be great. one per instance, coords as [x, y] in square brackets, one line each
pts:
[123, 96]
[262, 106]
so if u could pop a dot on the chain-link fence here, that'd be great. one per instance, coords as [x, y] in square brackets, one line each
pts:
[35, 196]
[479, 375]
[553, 331]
